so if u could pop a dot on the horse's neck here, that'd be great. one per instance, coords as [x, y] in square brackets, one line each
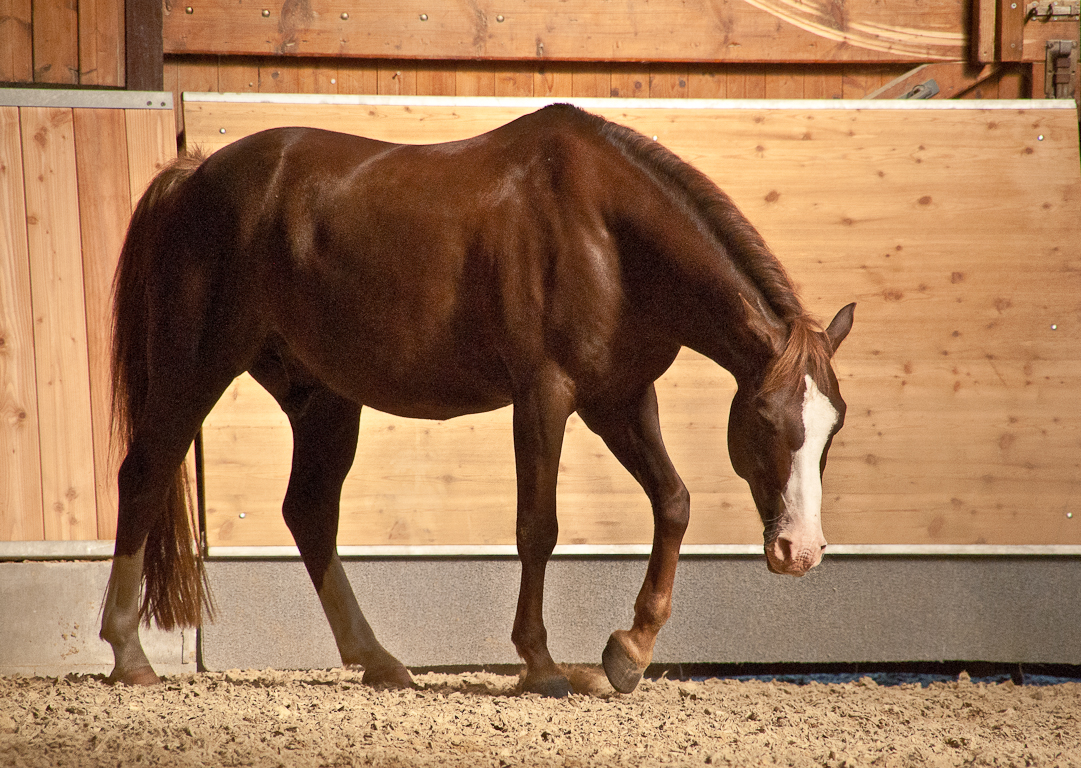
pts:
[704, 302]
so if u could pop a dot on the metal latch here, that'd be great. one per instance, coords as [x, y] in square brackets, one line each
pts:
[1053, 11]
[1060, 69]
[922, 91]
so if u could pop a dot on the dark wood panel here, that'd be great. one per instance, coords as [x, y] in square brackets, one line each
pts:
[661, 30]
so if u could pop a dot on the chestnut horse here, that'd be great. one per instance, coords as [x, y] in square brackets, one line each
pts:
[557, 263]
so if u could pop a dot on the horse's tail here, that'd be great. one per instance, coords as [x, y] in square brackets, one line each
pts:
[175, 588]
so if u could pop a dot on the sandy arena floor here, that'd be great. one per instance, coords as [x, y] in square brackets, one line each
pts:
[328, 718]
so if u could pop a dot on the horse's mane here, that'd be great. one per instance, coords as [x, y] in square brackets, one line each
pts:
[808, 348]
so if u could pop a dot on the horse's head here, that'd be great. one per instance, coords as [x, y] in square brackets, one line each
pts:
[779, 433]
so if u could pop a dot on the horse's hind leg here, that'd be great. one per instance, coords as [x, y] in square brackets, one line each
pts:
[147, 479]
[325, 428]
[633, 435]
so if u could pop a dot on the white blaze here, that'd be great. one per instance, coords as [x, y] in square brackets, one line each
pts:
[803, 493]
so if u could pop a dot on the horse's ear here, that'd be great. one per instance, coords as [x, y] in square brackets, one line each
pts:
[772, 335]
[841, 325]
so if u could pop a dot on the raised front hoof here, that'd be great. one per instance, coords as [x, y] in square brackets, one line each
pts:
[622, 671]
[549, 686]
[392, 676]
[140, 676]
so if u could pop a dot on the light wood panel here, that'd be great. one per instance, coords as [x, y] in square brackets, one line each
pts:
[104, 196]
[56, 277]
[20, 459]
[66, 177]
[957, 231]
[661, 30]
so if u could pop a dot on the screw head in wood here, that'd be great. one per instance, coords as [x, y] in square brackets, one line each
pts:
[424, 17]
[499, 18]
[345, 16]
[266, 13]
[189, 10]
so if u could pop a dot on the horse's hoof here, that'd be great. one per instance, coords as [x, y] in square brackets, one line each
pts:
[393, 676]
[140, 676]
[552, 687]
[623, 673]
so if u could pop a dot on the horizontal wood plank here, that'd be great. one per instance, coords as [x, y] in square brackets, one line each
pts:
[663, 30]
[960, 375]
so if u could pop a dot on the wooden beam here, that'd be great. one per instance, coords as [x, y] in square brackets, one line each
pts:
[145, 59]
[591, 30]
[1011, 29]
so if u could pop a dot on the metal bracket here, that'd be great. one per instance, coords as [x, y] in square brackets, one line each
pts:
[1060, 69]
[1053, 11]
[922, 91]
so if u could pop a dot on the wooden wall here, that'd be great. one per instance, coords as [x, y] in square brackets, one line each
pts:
[67, 43]
[69, 177]
[957, 231]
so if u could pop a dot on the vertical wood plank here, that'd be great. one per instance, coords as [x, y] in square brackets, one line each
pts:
[198, 73]
[396, 78]
[668, 81]
[143, 46]
[436, 79]
[708, 84]
[151, 145]
[101, 42]
[171, 82]
[1011, 85]
[822, 83]
[553, 81]
[474, 79]
[591, 81]
[278, 75]
[357, 77]
[317, 76]
[512, 82]
[16, 42]
[60, 345]
[784, 82]
[237, 74]
[101, 158]
[1010, 20]
[629, 81]
[20, 457]
[754, 84]
[56, 42]
[984, 13]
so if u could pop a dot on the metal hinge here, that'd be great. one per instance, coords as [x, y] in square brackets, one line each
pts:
[1053, 11]
[1060, 69]
[922, 91]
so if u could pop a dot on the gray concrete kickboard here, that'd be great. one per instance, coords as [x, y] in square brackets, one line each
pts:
[50, 615]
[433, 612]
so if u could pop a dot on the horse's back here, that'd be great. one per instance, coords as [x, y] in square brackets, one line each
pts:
[423, 279]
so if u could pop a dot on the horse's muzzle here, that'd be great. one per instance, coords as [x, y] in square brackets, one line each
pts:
[793, 558]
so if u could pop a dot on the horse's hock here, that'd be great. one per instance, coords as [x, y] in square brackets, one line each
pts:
[949, 496]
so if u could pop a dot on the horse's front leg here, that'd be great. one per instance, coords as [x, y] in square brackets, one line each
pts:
[633, 435]
[540, 418]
